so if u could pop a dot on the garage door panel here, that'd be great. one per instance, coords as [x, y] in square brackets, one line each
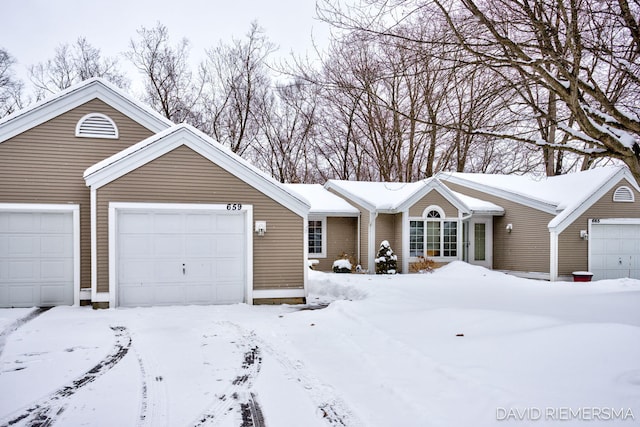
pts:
[56, 246]
[168, 245]
[183, 259]
[134, 244]
[200, 223]
[169, 223]
[225, 223]
[615, 251]
[135, 222]
[200, 246]
[229, 245]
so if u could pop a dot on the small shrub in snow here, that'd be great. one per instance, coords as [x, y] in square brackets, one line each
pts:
[423, 265]
[344, 264]
[386, 262]
[341, 266]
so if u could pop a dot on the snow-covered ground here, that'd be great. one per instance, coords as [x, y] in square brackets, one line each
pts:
[463, 346]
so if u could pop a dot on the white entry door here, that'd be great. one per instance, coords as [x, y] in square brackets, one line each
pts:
[480, 241]
[614, 249]
[36, 258]
[171, 257]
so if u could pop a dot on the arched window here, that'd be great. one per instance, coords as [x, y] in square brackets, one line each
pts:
[96, 125]
[433, 236]
[623, 194]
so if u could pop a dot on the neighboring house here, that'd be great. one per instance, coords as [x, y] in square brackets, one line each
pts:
[545, 228]
[105, 202]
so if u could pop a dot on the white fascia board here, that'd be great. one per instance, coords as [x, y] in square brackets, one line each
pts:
[570, 214]
[541, 205]
[332, 214]
[435, 184]
[73, 97]
[329, 185]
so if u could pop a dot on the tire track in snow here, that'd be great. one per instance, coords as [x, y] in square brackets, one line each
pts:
[331, 408]
[238, 395]
[44, 412]
[9, 329]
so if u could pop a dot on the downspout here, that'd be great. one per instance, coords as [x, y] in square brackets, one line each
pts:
[358, 242]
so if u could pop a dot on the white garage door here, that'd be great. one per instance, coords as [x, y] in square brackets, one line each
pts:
[615, 250]
[178, 257]
[36, 259]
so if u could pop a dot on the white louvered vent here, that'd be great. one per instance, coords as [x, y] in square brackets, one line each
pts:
[623, 194]
[96, 125]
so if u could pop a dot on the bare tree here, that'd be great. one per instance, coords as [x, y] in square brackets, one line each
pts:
[237, 85]
[72, 64]
[10, 87]
[169, 86]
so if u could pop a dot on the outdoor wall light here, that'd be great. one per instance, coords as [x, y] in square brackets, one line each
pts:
[261, 227]
[584, 235]
[509, 228]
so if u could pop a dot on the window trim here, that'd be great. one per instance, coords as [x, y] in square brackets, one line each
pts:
[323, 222]
[442, 220]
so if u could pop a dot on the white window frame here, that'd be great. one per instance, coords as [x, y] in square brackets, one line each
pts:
[443, 218]
[323, 222]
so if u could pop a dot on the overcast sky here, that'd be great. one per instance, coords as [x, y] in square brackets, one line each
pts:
[32, 29]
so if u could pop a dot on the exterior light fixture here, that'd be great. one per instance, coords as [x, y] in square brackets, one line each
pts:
[584, 235]
[509, 228]
[261, 227]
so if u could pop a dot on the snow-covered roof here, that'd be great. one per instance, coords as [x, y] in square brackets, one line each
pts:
[144, 151]
[323, 202]
[560, 195]
[74, 96]
[478, 205]
[394, 197]
[380, 196]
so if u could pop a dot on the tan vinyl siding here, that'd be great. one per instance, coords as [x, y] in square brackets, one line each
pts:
[572, 250]
[365, 216]
[527, 247]
[342, 234]
[45, 165]
[183, 176]
[433, 198]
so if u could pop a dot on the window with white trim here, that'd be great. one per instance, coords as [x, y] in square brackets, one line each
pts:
[623, 194]
[434, 236]
[317, 237]
[96, 125]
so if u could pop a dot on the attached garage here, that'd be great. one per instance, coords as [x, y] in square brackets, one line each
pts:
[180, 254]
[614, 248]
[39, 255]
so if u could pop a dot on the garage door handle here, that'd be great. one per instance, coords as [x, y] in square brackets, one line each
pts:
[184, 270]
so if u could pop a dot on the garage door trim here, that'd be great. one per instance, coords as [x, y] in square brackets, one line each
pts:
[115, 207]
[74, 209]
[606, 221]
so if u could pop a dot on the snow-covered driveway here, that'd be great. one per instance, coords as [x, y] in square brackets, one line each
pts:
[461, 347]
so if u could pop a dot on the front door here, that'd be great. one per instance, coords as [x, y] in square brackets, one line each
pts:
[480, 242]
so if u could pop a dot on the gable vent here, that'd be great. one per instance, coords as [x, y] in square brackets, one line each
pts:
[623, 194]
[96, 125]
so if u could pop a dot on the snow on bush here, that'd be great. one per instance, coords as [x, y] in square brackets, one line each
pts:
[342, 266]
[386, 262]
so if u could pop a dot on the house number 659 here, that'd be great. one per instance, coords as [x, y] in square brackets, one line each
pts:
[234, 206]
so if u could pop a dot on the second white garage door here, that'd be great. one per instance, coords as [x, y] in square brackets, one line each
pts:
[614, 249]
[180, 257]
